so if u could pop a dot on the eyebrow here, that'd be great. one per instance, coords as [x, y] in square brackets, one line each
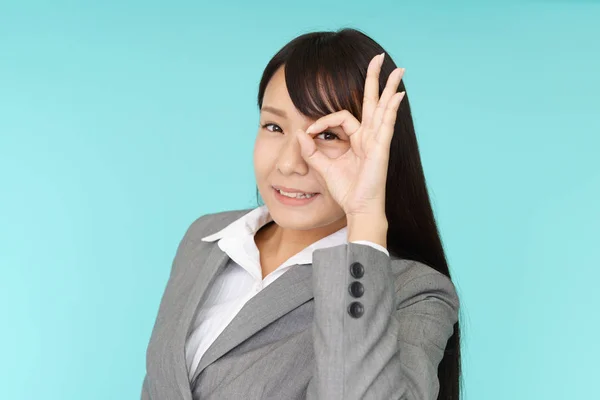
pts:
[275, 111]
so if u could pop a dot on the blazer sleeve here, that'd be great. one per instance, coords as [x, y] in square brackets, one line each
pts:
[375, 245]
[378, 336]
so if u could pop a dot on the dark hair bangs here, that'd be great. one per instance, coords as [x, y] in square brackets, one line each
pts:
[322, 76]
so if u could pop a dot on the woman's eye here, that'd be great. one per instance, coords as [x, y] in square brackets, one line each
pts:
[332, 136]
[265, 126]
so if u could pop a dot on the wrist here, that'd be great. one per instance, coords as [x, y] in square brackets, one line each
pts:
[372, 228]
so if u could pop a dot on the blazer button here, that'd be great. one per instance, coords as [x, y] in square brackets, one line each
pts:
[356, 289]
[356, 309]
[357, 270]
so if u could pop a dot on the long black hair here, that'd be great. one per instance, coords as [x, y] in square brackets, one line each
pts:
[337, 62]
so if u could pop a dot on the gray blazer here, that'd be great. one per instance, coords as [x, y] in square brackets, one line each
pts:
[354, 324]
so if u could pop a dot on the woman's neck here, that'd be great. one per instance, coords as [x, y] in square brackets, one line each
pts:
[277, 243]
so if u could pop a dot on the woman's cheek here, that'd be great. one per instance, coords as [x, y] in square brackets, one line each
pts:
[263, 146]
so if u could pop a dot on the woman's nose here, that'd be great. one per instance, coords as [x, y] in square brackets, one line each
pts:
[290, 159]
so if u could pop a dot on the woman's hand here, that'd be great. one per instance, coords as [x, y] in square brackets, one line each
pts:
[356, 180]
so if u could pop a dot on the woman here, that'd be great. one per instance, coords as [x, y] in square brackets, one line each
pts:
[337, 287]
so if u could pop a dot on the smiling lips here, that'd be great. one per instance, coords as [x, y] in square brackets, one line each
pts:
[294, 199]
[291, 190]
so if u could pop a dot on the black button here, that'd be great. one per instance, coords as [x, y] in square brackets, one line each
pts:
[357, 270]
[356, 309]
[356, 289]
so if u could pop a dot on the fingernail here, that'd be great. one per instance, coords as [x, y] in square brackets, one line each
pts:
[381, 57]
[310, 128]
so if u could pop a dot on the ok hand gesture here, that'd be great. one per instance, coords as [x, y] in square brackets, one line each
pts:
[356, 180]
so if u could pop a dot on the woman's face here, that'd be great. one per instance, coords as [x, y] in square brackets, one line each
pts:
[278, 162]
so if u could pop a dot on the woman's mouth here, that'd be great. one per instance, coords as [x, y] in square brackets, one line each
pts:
[294, 199]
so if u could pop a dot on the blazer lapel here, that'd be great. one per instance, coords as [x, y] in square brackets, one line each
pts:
[198, 271]
[286, 293]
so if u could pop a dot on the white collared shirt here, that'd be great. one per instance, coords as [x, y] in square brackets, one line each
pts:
[241, 278]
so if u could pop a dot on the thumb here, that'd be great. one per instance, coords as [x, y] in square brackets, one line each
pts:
[313, 156]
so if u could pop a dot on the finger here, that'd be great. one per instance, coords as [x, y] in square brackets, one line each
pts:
[390, 89]
[386, 131]
[371, 95]
[342, 118]
[315, 158]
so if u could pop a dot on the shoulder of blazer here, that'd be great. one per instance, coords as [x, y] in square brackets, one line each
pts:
[203, 226]
[212, 222]
[416, 281]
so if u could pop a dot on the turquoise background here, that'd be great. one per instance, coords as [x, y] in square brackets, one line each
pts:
[122, 122]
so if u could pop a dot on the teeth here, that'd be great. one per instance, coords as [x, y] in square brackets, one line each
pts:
[296, 195]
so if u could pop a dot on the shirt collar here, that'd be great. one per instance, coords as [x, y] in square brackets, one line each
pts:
[245, 227]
